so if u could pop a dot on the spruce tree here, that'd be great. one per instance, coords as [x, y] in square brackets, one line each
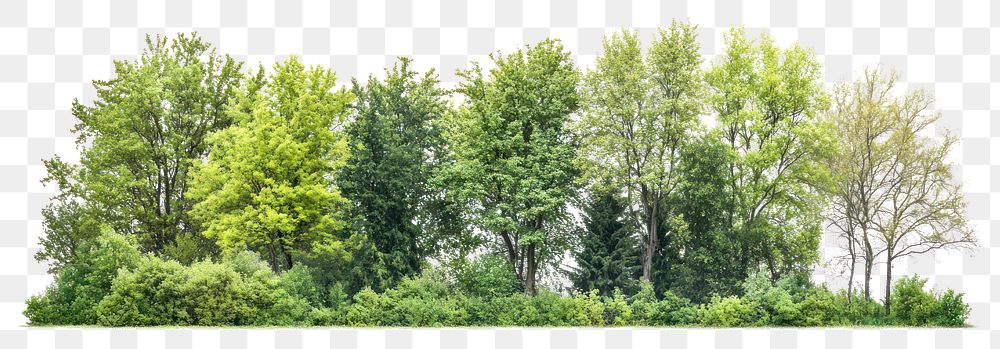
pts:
[609, 257]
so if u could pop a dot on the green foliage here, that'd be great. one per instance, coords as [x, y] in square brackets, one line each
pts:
[609, 258]
[951, 310]
[396, 147]
[639, 112]
[911, 305]
[83, 281]
[769, 101]
[732, 312]
[513, 155]
[159, 292]
[205, 170]
[486, 276]
[266, 185]
[138, 141]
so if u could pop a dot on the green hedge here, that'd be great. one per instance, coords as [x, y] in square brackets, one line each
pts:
[111, 284]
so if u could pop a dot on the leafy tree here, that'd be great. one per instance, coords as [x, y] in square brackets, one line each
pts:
[267, 183]
[608, 258]
[396, 147]
[702, 262]
[768, 102]
[896, 189]
[513, 153]
[138, 141]
[638, 114]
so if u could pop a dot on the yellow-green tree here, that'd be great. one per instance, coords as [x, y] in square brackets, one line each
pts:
[769, 102]
[267, 184]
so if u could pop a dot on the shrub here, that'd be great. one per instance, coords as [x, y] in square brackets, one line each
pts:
[150, 295]
[677, 310]
[911, 305]
[775, 303]
[645, 307]
[369, 309]
[298, 282]
[731, 312]
[487, 276]
[951, 310]
[617, 311]
[83, 281]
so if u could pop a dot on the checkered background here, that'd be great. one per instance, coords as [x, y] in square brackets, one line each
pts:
[51, 49]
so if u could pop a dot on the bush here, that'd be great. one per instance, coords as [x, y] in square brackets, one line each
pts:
[911, 305]
[487, 276]
[152, 294]
[731, 312]
[951, 310]
[83, 281]
[160, 292]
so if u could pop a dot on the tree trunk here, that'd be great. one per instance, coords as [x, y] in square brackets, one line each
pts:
[651, 240]
[888, 283]
[850, 279]
[529, 277]
[272, 257]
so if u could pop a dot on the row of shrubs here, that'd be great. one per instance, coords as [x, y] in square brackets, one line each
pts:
[111, 284]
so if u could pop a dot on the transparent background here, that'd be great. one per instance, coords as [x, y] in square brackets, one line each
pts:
[51, 50]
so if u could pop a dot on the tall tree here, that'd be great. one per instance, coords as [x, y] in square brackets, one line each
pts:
[513, 153]
[138, 141]
[640, 111]
[901, 187]
[768, 101]
[609, 255]
[267, 183]
[396, 146]
[861, 114]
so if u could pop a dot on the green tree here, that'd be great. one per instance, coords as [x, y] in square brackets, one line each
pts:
[640, 111]
[513, 153]
[396, 147]
[267, 183]
[609, 255]
[702, 253]
[138, 141]
[768, 101]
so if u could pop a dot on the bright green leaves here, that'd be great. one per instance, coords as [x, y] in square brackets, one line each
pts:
[267, 183]
[513, 154]
[768, 101]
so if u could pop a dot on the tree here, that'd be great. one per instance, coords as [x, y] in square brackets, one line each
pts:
[396, 147]
[513, 154]
[902, 189]
[608, 258]
[702, 245]
[267, 183]
[768, 101]
[638, 115]
[861, 114]
[138, 141]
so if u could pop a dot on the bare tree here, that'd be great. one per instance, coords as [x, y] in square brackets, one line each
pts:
[897, 196]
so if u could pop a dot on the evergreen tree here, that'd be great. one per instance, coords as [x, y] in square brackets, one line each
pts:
[609, 257]
[395, 143]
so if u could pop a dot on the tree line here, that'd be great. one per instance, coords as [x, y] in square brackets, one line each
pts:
[655, 175]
